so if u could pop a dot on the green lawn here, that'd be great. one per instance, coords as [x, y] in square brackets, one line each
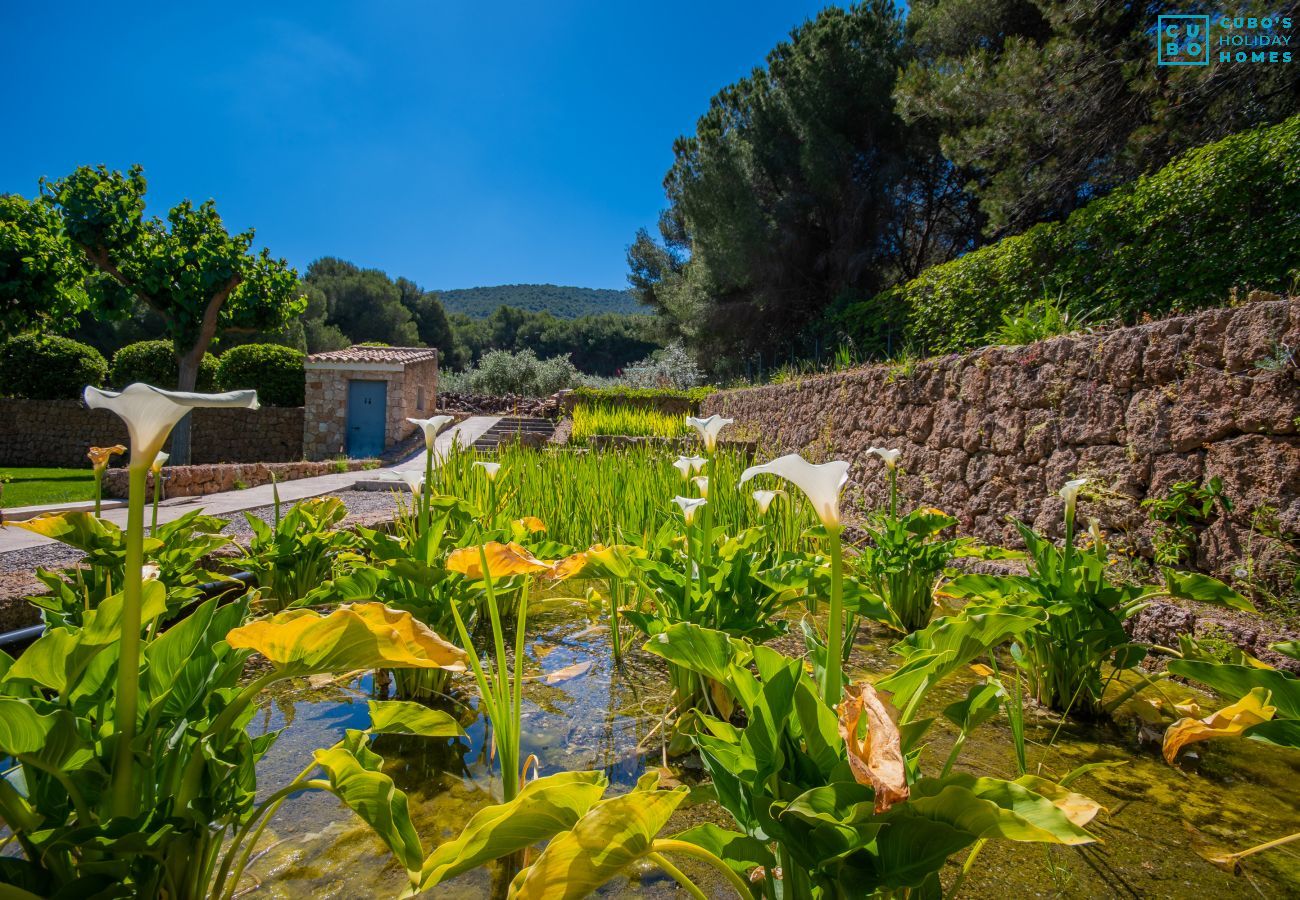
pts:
[30, 487]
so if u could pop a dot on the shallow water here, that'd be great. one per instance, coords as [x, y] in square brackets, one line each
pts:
[1236, 794]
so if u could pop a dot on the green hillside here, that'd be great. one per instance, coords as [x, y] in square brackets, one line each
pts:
[558, 300]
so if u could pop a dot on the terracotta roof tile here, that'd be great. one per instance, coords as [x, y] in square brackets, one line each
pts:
[358, 354]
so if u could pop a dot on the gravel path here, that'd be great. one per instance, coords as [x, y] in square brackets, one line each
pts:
[17, 579]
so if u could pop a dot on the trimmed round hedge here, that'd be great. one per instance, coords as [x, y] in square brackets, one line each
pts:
[47, 367]
[274, 371]
[154, 362]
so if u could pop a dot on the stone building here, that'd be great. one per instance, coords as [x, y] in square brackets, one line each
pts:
[358, 399]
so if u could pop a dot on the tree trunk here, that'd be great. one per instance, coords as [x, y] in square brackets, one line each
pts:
[181, 434]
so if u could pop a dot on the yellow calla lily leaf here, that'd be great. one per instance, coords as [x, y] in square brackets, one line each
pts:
[354, 636]
[1231, 721]
[503, 560]
[531, 524]
[567, 567]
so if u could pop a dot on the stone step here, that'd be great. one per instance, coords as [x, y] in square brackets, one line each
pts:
[512, 428]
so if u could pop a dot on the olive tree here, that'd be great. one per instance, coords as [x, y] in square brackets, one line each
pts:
[201, 279]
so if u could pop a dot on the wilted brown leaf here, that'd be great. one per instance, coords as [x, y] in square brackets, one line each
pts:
[877, 760]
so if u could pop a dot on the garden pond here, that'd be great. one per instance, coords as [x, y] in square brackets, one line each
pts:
[581, 712]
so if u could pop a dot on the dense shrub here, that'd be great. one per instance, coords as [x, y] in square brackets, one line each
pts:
[154, 362]
[274, 371]
[46, 367]
[504, 372]
[1180, 239]
[671, 367]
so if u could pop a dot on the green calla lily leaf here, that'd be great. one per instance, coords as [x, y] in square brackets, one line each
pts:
[544, 808]
[613, 835]
[1204, 589]
[355, 778]
[404, 717]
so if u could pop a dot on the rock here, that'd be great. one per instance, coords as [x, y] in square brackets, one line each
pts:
[1161, 623]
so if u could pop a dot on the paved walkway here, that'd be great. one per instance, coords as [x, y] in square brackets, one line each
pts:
[230, 502]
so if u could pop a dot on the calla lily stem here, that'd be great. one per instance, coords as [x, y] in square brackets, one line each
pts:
[694, 851]
[128, 661]
[831, 677]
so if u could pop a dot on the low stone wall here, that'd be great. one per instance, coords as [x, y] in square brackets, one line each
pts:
[995, 432]
[59, 432]
[688, 445]
[672, 406]
[197, 481]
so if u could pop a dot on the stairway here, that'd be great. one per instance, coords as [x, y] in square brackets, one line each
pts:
[528, 431]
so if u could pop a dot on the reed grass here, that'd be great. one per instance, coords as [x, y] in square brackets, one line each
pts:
[616, 495]
[591, 419]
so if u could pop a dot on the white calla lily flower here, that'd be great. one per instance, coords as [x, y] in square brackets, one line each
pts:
[697, 463]
[151, 413]
[684, 466]
[820, 483]
[702, 484]
[690, 506]
[414, 480]
[431, 427]
[709, 429]
[489, 468]
[888, 457]
[1070, 494]
[159, 461]
[764, 499]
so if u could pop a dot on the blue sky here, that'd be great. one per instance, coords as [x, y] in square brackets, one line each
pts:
[457, 144]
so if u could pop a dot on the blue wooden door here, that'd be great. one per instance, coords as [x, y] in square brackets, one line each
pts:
[367, 413]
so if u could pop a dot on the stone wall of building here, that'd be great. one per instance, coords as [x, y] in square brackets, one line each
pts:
[411, 393]
[995, 432]
[59, 432]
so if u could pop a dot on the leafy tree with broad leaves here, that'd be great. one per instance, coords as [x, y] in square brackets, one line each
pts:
[197, 276]
[42, 279]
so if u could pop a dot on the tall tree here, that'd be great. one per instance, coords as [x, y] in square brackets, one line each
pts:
[363, 304]
[201, 279]
[800, 185]
[1044, 105]
[430, 320]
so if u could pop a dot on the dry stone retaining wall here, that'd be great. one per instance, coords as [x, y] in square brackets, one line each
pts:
[995, 432]
[59, 432]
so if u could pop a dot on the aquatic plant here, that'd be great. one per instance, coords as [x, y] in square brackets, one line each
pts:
[134, 773]
[501, 690]
[176, 552]
[1081, 633]
[832, 795]
[592, 419]
[611, 496]
[295, 554]
[590, 840]
[821, 484]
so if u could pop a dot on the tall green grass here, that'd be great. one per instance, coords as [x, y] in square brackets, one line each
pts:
[617, 495]
[591, 419]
